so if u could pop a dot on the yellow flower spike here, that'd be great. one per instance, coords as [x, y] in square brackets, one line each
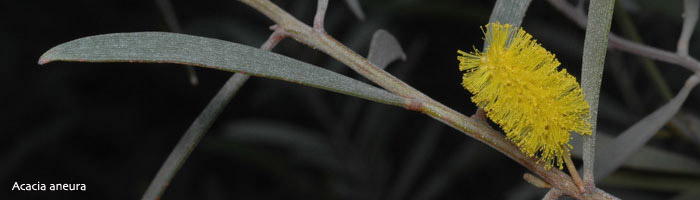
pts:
[516, 81]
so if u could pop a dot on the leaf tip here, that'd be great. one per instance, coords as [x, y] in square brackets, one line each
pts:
[44, 59]
[47, 57]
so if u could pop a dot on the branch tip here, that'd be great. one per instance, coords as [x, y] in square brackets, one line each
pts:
[690, 18]
[480, 115]
[320, 16]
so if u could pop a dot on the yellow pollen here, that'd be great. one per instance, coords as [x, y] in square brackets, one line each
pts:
[516, 81]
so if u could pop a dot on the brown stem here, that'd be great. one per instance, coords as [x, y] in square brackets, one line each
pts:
[553, 194]
[416, 100]
[574, 173]
[535, 181]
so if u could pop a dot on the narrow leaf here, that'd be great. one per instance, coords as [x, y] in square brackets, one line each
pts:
[384, 49]
[509, 11]
[647, 158]
[595, 47]
[159, 47]
[612, 155]
[356, 8]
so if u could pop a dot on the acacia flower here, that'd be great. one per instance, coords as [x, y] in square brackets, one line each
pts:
[516, 81]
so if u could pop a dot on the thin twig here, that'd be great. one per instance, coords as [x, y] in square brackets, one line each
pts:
[320, 15]
[535, 181]
[199, 127]
[553, 194]
[574, 173]
[324, 42]
[192, 136]
[690, 18]
[166, 9]
[616, 42]
[416, 100]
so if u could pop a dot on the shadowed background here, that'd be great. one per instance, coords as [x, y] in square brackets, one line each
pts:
[111, 126]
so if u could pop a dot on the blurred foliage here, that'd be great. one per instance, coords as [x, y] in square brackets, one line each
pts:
[111, 126]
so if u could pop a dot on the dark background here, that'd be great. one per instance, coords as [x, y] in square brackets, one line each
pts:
[111, 126]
